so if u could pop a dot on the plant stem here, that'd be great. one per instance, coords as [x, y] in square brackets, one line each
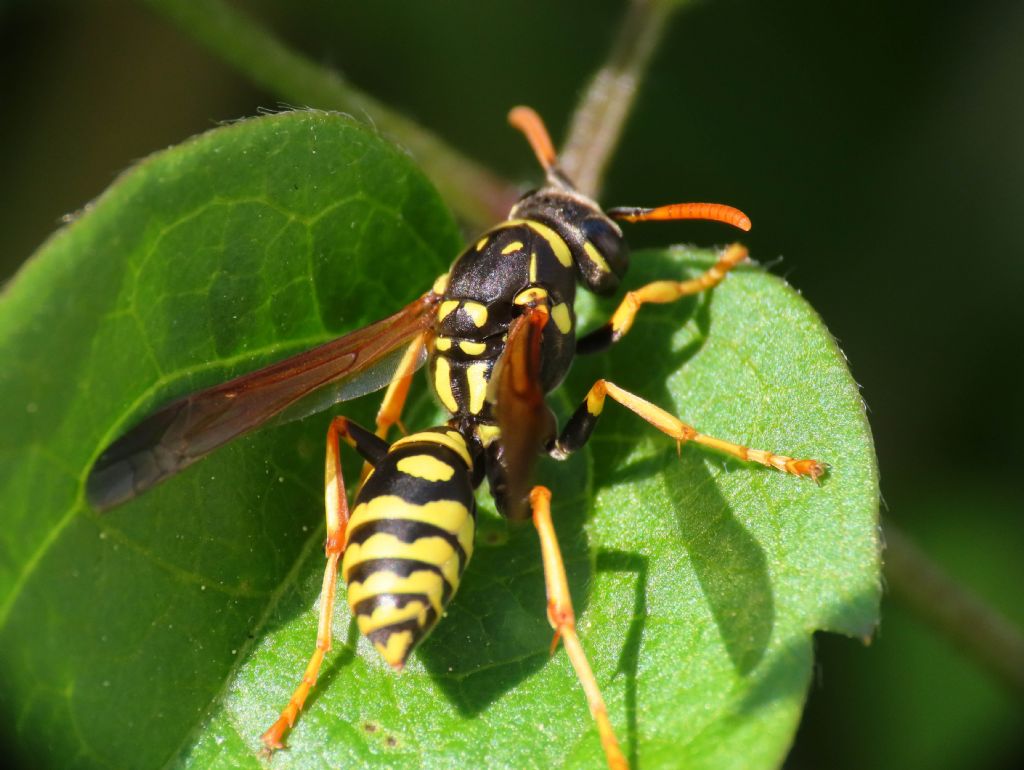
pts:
[475, 193]
[600, 117]
[953, 610]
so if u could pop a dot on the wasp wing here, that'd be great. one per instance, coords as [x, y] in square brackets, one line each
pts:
[186, 430]
[525, 422]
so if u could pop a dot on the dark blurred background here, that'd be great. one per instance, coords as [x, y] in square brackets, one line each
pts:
[878, 147]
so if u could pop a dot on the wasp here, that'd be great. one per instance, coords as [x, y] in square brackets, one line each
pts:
[498, 332]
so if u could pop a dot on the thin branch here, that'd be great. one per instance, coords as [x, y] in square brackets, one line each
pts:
[478, 195]
[953, 610]
[601, 115]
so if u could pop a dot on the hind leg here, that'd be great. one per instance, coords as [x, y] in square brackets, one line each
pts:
[336, 505]
[563, 620]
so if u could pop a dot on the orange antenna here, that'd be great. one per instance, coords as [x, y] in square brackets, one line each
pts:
[529, 122]
[714, 212]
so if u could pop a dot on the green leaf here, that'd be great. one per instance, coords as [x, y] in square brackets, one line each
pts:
[172, 630]
[119, 632]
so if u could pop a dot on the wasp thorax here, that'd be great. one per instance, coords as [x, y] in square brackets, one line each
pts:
[598, 249]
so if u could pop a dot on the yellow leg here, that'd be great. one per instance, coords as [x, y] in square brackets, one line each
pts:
[661, 292]
[336, 505]
[680, 431]
[563, 620]
[390, 412]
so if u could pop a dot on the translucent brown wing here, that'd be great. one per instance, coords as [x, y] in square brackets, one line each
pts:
[186, 430]
[525, 421]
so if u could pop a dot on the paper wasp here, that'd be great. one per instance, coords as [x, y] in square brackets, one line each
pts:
[498, 332]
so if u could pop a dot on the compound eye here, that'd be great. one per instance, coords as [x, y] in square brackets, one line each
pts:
[607, 239]
[605, 250]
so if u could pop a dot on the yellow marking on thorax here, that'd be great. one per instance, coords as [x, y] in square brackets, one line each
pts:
[530, 296]
[476, 378]
[442, 343]
[450, 438]
[397, 648]
[481, 243]
[440, 284]
[426, 467]
[487, 434]
[596, 256]
[476, 311]
[562, 318]
[443, 384]
[471, 348]
[533, 267]
[558, 246]
[512, 247]
[446, 308]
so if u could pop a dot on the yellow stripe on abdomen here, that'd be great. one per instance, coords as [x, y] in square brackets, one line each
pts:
[385, 582]
[426, 467]
[448, 515]
[386, 615]
[431, 550]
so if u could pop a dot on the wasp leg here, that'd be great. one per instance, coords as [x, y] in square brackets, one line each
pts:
[658, 292]
[563, 620]
[390, 412]
[391, 406]
[336, 505]
[581, 425]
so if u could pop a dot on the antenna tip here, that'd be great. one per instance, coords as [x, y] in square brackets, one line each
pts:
[521, 114]
[529, 122]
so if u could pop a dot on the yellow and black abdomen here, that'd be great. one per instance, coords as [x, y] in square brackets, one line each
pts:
[409, 538]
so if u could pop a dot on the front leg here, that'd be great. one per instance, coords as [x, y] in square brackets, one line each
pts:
[581, 425]
[658, 292]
